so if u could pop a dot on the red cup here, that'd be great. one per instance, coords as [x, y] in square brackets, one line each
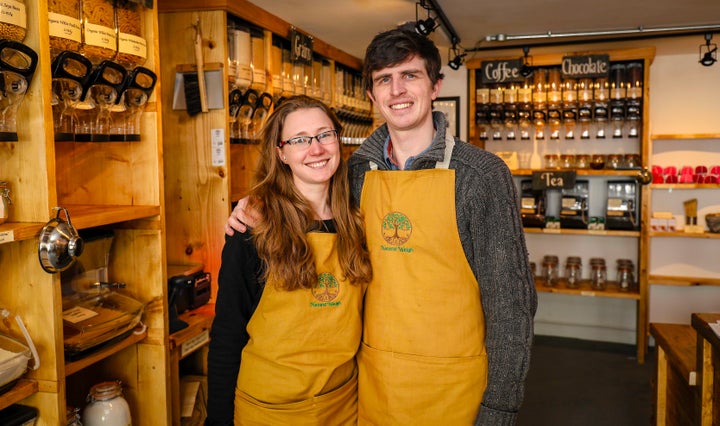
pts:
[686, 170]
[686, 178]
[710, 179]
[715, 170]
[701, 170]
[670, 171]
[671, 178]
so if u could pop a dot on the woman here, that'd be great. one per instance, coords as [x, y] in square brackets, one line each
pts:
[289, 307]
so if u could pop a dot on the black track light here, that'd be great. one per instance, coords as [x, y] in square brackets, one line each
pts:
[526, 70]
[425, 26]
[457, 57]
[710, 56]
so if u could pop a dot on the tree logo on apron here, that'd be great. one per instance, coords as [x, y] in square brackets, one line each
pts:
[396, 228]
[327, 288]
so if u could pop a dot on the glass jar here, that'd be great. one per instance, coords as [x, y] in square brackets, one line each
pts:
[99, 39]
[13, 20]
[64, 26]
[598, 274]
[597, 162]
[614, 161]
[625, 275]
[567, 161]
[573, 272]
[72, 415]
[131, 44]
[552, 161]
[107, 406]
[632, 161]
[582, 161]
[5, 202]
[550, 270]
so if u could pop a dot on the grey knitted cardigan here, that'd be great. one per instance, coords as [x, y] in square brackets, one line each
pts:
[494, 243]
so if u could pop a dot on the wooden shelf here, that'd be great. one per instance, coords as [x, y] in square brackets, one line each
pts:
[585, 232]
[685, 186]
[674, 136]
[198, 320]
[580, 172]
[681, 234]
[18, 231]
[682, 281]
[584, 289]
[75, 366]
[22, 389]
[89, 216]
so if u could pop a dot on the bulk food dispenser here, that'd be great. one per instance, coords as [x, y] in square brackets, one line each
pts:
[17, 66]
[70, 71]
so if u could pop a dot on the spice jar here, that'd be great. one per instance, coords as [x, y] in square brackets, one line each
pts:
[106, 406]
[598, 273]
[99, 39]
[5, 202]
[582, 161]
[567, 161]
[13, 20]
[131, 45]
[550, 270]
[597, 162]
[614, 161]
[573, 271]
[551, 161]
[632, 161]
[64, 26]
[625, 275]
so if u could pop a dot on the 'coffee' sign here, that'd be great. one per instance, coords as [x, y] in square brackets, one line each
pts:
[585, 66]
[507, 71]
[553, 179]
[302, 47]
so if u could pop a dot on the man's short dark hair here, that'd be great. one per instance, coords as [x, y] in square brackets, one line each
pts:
[397, 45]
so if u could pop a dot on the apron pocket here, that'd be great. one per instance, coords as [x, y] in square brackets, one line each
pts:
[398, 388]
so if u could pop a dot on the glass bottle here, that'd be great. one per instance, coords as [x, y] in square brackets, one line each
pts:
[106, 406]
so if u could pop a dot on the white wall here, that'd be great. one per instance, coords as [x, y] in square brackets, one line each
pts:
[684, 98]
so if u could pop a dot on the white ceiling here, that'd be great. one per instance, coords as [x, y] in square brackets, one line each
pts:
[350, 24]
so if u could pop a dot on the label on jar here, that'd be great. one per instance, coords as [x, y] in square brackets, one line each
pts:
[100, 36]
[13, 12]
[7, 237]
[132, 45]
[63, 26]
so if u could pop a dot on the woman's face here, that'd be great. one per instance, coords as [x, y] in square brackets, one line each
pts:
[312, 164]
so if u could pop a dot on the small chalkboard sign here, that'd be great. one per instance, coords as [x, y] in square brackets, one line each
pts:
[553, 179]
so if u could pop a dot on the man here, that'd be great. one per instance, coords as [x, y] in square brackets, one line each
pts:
[448, 321]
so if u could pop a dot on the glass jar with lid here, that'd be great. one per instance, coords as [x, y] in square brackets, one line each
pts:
[625, 275]
[598, 273]
[550, 270]
[107, 405]
[573, 271]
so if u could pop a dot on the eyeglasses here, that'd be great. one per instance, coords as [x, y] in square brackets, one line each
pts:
[303, 142]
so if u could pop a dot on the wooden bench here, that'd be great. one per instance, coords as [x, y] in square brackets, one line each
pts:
[676, 393]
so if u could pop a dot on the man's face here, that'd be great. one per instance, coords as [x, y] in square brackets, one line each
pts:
[404, 93]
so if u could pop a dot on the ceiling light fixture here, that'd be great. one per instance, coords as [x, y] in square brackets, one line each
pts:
[424, 26]
[710, 56]
[526, 70]
[504, 41]
[457, 57]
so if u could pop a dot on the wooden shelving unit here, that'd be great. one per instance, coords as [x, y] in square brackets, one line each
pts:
[640, 296]
[117, 186]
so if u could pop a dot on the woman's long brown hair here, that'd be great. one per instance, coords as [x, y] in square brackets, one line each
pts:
[285, 216]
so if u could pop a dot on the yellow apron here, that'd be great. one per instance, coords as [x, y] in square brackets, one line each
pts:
[423, 358]
[299, 366]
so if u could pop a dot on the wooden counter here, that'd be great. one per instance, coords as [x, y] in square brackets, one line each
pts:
[676, 392]
[708, 363]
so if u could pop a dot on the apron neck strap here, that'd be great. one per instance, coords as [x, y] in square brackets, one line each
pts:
[445, 163]
[449, 145]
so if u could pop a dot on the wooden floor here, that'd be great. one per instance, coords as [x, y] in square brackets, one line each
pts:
[576, 382]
